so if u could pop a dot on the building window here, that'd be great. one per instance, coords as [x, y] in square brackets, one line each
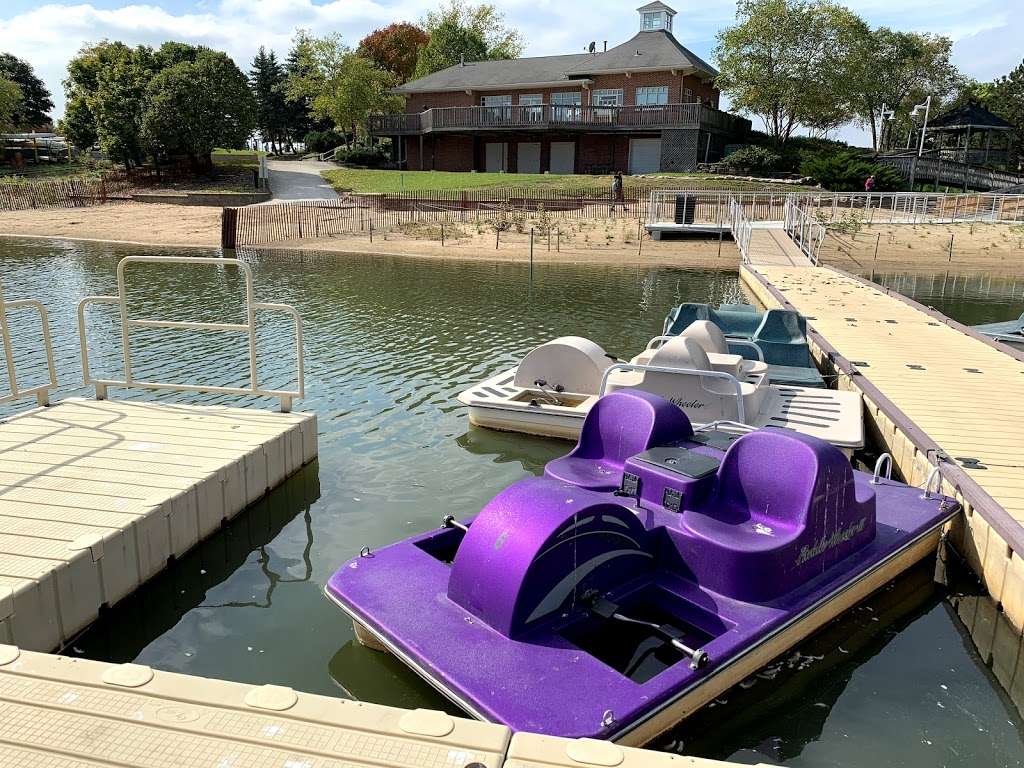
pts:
[498, 109]
[688, 96]
[533, 103]
[652, 95]
[651, 20]
[606, 97]
[565, 105]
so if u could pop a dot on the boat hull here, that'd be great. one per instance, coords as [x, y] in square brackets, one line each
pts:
[729, 674]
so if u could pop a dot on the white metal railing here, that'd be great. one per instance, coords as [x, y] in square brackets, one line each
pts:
[805, 230]
[712, 208]
[41, 391]
[128, 323]
[741, 414]
[741, 229]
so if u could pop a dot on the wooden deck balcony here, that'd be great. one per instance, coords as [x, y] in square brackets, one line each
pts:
[544, 117]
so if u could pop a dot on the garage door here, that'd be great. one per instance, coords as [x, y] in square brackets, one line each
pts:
[644, 155]
[495, 157]
[528, 157]
[563, 156]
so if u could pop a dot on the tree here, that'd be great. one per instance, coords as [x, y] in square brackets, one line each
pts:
[195, 106]
[79, 124]
[109, 80]
[339, 84]
[10, 103]
[1007, 99]
[394, 48]
[789, 62]
[460, 31]
[899, 70]
[35, 104]
[267, 79]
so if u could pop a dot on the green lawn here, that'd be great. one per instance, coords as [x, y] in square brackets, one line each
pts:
[359, 180]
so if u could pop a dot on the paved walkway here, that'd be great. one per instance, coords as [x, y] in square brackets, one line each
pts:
[299, 180]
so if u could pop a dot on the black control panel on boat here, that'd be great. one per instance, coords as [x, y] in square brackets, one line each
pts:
[675, 476]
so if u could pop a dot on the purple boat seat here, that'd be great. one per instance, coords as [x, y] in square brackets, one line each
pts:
[618, 426]
[786, 509]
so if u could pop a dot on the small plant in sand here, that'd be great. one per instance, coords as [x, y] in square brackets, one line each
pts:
[503, 220]
[543, 219]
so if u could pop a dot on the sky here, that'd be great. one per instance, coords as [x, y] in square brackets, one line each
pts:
[987, 33]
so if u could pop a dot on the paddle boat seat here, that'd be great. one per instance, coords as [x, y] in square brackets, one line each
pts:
[620, 425]
[714, 343]
[762, 515]
[704, 398]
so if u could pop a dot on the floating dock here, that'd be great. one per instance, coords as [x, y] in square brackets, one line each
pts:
[61, 712]
[936, 393]
[96, 496]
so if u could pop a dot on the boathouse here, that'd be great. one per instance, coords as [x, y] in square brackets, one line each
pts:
[649, 104]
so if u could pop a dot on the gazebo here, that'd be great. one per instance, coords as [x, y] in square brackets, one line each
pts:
[965, 135]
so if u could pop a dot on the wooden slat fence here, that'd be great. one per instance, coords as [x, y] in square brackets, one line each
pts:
[62, 193]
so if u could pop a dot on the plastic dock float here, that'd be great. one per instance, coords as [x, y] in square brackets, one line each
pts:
[61, 712]
[97, 495]
[937, 393]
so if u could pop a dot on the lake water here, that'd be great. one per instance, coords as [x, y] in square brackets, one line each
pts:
[389, 342]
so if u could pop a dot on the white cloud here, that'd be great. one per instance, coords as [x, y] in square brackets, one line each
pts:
[986, 34]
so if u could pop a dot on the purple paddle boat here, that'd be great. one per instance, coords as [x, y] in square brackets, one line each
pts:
[648, 571]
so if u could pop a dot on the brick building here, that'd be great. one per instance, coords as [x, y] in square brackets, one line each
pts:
[646, 105]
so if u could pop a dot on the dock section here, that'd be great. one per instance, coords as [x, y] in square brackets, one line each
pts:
[96, 496]
[936, 393]
[62, 712]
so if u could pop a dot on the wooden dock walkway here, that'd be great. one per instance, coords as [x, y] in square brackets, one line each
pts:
[772, 246]
[60, 712]
[935, 393]
[95, 496]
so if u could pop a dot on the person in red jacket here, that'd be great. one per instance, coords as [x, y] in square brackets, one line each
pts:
[869, 184]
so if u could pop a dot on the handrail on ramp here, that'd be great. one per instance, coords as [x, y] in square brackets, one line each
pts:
[285, 396]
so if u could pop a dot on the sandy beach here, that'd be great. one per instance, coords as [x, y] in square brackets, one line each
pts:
[989, 248]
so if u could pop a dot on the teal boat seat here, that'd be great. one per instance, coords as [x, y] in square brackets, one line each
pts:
[781, 334]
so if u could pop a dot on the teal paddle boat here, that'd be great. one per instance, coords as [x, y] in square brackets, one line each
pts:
[777, 337]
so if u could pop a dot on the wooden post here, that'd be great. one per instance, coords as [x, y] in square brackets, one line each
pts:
[531, 254]
[497, 237]
[558, 240]
[442, 234]
[721, 230]
[371, 230]
[951, 247]
[228, 228]
[878, 236]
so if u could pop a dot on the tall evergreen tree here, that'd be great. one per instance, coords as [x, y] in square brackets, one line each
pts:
[267, 79]
[33, 110]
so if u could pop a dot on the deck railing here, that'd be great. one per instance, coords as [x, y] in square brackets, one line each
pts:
[526, 117]
[128, 323]
[14, 392]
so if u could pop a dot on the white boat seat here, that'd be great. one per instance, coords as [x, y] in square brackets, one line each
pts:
[703, 398]
[566, 364]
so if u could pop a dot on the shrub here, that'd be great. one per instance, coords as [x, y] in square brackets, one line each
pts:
[752, 160]
[847, 171]
[370, 157]
[322, 141]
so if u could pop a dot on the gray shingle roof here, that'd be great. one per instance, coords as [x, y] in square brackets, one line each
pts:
[484, 75]
[658, 50]
[657, 5]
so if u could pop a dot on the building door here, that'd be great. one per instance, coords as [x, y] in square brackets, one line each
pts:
[496, 157]
[563, 156]
[644, 155]
[528, 157]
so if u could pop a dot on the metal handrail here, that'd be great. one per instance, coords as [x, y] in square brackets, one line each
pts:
[249, 328]
[733, 342]
[806, 231]
[885, 460]
[741, 414]
[741, 229]
[41, 392]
